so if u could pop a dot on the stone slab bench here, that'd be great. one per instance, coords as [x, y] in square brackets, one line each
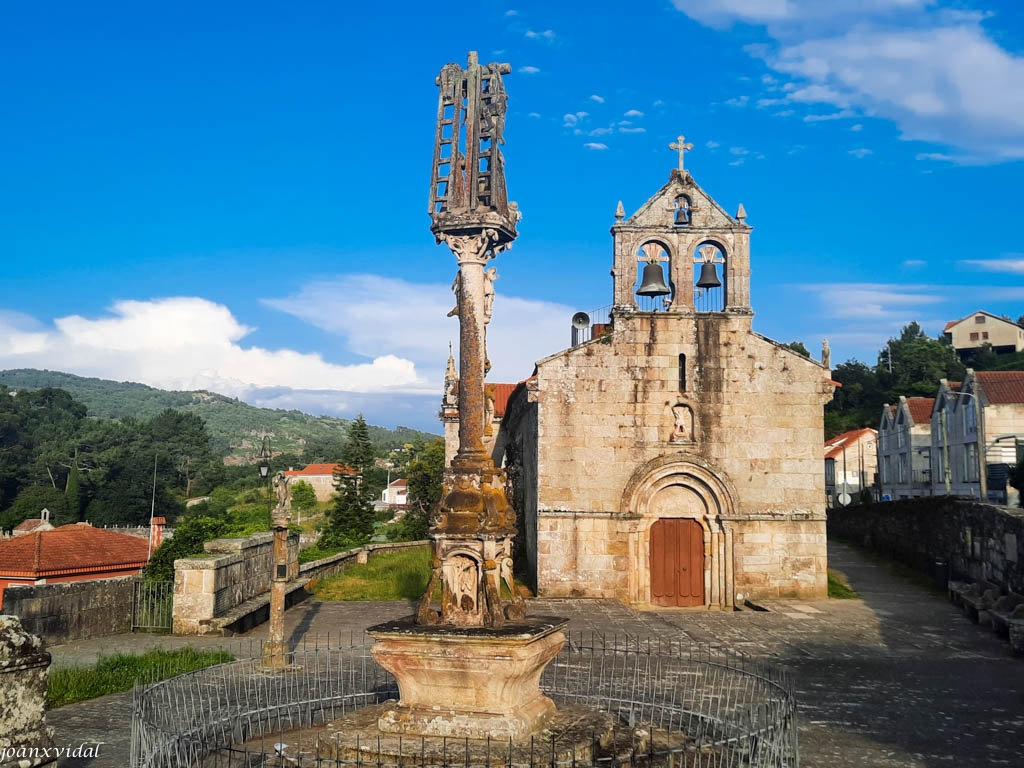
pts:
[1006, 609]
[974, 598]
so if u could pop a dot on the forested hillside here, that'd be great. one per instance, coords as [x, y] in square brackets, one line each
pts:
[235, 428]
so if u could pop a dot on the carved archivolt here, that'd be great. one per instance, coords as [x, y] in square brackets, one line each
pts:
[693, 472]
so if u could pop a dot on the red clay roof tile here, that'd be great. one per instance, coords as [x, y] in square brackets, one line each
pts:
[921, 409]
[1001, 387]
[71, 548]
[320, 469]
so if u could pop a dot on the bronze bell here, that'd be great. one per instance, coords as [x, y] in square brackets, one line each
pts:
[653, 282]
[708, 276]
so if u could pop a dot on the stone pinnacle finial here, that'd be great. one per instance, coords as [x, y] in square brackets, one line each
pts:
[620, 212]
[741, 214]
[451, 372]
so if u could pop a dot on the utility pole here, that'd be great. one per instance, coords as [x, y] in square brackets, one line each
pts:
[945, 448]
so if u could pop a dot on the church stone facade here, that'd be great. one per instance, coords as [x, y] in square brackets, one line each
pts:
[674, 458]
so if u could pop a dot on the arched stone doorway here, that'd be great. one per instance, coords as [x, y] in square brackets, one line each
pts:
[678, 504]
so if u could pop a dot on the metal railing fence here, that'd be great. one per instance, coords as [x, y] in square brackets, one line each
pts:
[152, 606]
[672, 703]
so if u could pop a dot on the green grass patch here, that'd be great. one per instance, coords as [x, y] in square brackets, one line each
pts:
[119, 672]
[838, 586]
[399, 575]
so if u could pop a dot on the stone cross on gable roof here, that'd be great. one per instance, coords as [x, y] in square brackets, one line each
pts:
[682, 146]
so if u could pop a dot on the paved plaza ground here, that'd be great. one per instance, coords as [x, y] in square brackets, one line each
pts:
[897, 678]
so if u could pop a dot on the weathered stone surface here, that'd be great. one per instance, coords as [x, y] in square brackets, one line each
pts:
[76, 610]
[468, 682]
[235, 571]
[24, 670]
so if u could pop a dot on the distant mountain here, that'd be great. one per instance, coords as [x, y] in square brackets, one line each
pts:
[234, 426]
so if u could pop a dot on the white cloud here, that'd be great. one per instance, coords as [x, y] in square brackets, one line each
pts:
[860, 153]
[1014, 266]
[191, 343]
[859, 301]
[595, 145]
[737, 162]
[534, 114]
[939, 156]
[934, 72]
[739, 151]
[511, 12]
[521, 332]
[633, 113]
[529, 70]
[841, 115]
[626, 129]
[856, 127]
[547, 34]
[914, 263]
[711, 144]
[598, 99]
[783, 113]
[571, 119]
[601, 131]
[658, 103]
[739, 101]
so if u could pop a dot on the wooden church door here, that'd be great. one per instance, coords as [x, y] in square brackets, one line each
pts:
[677, 562]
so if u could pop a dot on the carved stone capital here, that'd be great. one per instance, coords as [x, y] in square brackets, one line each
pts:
[479, 248]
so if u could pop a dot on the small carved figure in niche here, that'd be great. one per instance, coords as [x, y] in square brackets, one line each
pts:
[489, 277]
[455, 290]
[682, 211]
[514, 212]
[461, 578]
[682, 429]
[826, 354]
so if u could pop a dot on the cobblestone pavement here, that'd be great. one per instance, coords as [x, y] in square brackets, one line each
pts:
[897, 678]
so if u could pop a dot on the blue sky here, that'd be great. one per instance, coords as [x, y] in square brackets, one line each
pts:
[233, 195]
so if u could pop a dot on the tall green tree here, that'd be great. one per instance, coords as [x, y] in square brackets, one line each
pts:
[358, 449]
[350, 518]
[798, 347]
[303, 495]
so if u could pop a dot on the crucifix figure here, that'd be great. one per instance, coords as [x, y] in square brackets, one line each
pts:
[681, 146]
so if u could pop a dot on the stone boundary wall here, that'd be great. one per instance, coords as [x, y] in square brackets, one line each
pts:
[941, 536]
[232, 572]
[138, 531]
[75, 610]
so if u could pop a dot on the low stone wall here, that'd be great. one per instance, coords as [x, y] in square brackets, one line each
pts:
[232, 572]
[73, 611]
[958, 538]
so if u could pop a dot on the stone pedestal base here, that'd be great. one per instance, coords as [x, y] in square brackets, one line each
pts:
[467, 682]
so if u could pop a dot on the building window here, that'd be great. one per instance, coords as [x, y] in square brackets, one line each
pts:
[971, 462]
[830, 471]
[970, 421]
[984, 334]
[901, 437]
[979, 318]
[886, 469]
[974, 337]
[682, 373]
[901, 469]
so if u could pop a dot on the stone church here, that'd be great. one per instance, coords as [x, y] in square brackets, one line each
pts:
[672, 455]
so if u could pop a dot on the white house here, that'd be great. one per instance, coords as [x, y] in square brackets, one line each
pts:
[980, 328]
[851, 461]
[396, 494]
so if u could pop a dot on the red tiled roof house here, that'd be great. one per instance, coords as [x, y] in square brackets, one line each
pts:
[69, 553]
[905, 440]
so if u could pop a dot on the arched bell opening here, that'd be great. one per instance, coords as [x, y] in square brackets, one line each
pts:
[682, 213]
[653, 287]
[709, 277]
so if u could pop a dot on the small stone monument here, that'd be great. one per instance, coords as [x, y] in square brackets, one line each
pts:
[24, 671]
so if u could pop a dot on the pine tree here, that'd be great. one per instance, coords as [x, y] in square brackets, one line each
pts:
[73, 492]
[358, 450]
[350, 518]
